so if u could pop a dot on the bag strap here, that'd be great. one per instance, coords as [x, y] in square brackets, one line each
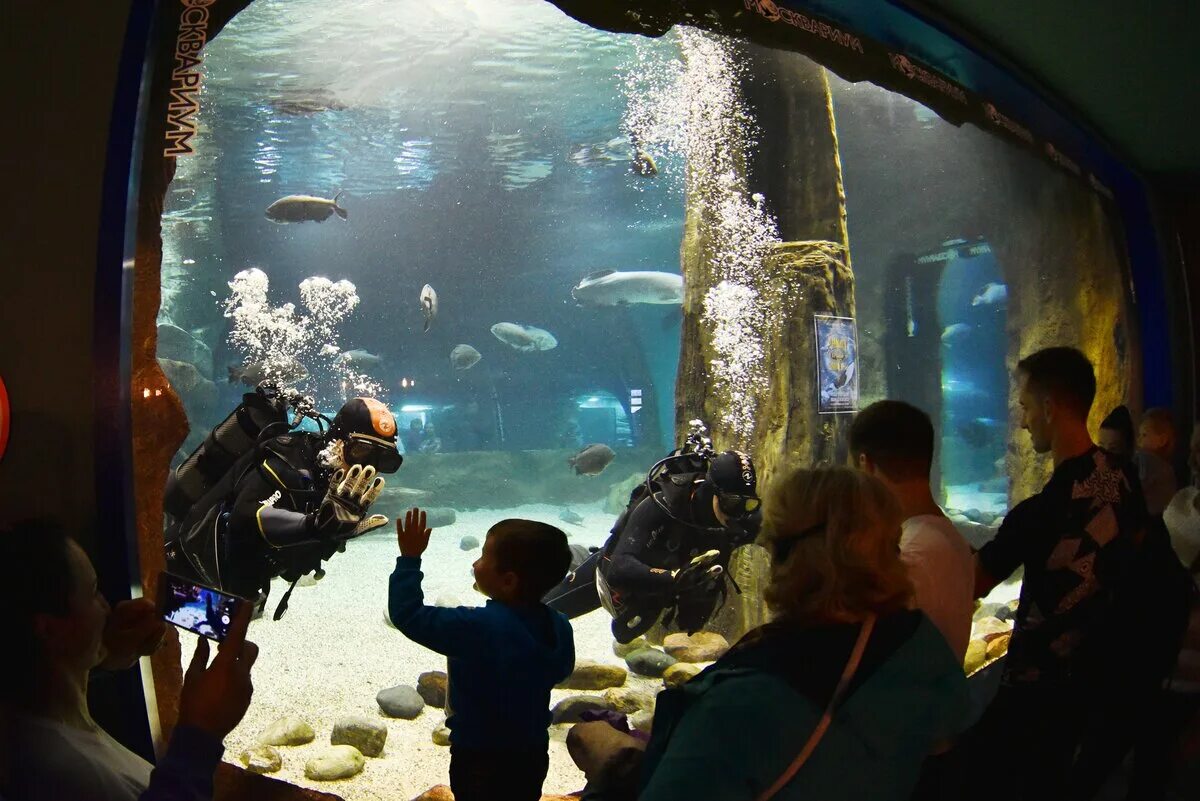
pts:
[848, 672]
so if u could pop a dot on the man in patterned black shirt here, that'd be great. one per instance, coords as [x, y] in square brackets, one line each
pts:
[1074, 539]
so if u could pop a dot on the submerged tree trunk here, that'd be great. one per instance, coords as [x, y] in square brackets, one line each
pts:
[753, 380]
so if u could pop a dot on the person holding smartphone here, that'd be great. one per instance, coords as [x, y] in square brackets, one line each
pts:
[60, 628]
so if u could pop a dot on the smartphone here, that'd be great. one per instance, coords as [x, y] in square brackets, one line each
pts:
[199, 609]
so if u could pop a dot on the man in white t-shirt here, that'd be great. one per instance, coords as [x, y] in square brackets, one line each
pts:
[893, 441]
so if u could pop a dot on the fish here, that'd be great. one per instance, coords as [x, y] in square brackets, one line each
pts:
[330, 350]
[360, 359]
[980, 432]
[954, 332]
[642, 163]
[429, 306]
[299, 103]
[464, 357]
[991, 294]
[283, 371]
[592, 460]
[301, 208]
[524, 338]
[616, 288]
[567, 516]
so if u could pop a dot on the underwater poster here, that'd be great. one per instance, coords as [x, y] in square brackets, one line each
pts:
[837, 364]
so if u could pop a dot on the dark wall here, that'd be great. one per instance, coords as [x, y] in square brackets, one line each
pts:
[59, 66]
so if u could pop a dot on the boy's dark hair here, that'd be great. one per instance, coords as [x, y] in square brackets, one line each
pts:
[38, 580]
[536, 552]
[1064, 374]
[896, 436]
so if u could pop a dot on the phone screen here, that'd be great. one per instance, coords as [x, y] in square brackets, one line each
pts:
[195, 607]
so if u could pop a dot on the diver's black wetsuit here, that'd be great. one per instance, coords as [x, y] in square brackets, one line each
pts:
[637, 563]
[259, 519]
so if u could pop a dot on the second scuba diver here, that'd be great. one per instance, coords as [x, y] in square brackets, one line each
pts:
[669, 551]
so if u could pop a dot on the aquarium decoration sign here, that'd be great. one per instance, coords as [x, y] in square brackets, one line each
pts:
[837, 364]
[185, 77]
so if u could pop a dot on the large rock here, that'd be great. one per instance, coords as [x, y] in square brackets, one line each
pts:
[365, 734]
[571, 708]
[679, 673]
[703, 646]
[432, 688]
[178, 345]
[468, 543]
[975, 657]
[589, 675]
[199, 395]
[335, 762]
[649, 662]
[642, 721]
[624, 649]
[262, 759]
[438, 792]
[400, 701]
[441, 735]
[989, 628]
[290, 730]
[629, 699]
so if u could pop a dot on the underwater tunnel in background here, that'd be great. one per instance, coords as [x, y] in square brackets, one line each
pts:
[843, 163]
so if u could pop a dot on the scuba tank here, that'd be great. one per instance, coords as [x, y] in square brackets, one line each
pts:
[221, 449]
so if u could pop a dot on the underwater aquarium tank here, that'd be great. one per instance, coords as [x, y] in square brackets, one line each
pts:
[547, 248]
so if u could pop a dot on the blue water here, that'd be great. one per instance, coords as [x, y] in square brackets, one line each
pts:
[451, 131]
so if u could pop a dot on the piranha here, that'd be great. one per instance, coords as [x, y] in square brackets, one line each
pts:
[464, 357]
[302, 208]
[592, 460]
[524, 337]
[429, 306]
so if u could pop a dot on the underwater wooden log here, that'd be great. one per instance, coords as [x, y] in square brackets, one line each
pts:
[795, 169]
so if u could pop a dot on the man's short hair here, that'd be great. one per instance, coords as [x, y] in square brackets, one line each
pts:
[896, 436]
[537, 552]
[1064, 374]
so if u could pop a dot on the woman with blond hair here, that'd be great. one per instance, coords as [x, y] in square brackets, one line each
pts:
[843, 694]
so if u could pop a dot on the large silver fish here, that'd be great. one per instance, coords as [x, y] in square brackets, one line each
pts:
[616, 288]
[360, 359]
[592, 459]
[524, 337]
[464, 357]
[302, 208]
[429, 306]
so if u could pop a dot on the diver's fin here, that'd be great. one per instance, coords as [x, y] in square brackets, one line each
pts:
[597, 274]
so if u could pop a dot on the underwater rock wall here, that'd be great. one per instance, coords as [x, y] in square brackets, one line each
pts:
[1067, 286]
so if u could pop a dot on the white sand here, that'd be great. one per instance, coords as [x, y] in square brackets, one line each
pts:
[333, 651]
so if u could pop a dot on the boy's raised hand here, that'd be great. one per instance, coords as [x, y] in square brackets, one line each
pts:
[412, 534]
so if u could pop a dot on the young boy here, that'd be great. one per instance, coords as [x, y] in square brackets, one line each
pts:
[503, 657]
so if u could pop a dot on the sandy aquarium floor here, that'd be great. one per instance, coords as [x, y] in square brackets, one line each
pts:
[333, 651]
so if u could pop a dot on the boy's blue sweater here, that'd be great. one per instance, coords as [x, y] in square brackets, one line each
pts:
[503, 660]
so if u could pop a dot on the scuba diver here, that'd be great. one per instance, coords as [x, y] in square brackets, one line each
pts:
[669, 550]
[260, 499]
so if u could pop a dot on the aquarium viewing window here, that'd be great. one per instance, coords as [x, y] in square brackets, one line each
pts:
[548, 247]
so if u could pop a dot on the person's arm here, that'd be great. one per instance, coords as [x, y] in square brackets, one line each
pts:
[627, 572]
[453, 632]
[1009, 549]
[256, 509]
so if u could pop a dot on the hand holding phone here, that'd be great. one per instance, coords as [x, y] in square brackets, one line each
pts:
[215, 697]
[196, 608]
